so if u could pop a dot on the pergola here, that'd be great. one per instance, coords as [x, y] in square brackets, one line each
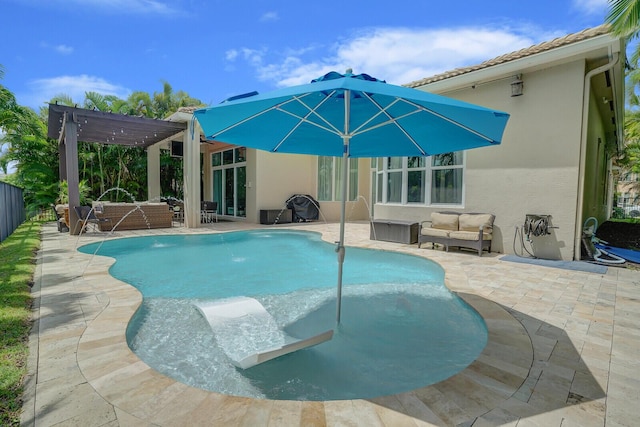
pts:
[71, 124]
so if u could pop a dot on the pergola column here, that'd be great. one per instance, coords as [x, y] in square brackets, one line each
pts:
[207, 180]
[153, 173]
[191, 165]
[71, 157]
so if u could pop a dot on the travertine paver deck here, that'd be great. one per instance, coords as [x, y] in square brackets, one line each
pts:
[563, 350]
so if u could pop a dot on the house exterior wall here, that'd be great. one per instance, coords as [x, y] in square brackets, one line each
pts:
[273, 178]
[276, 177]
[536, 168]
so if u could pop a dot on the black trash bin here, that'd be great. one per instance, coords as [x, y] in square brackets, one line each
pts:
[304, 207]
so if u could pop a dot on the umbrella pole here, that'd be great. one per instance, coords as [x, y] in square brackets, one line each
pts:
[345, 171]
[343, 205]
[340, 249]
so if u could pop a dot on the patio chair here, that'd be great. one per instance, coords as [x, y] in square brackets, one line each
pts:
[86, 216]
[209, 211]
[178, 211]
[62, 226]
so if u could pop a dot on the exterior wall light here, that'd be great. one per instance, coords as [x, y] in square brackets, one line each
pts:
[517, 86]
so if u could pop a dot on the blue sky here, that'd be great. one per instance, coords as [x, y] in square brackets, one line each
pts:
[219, 48]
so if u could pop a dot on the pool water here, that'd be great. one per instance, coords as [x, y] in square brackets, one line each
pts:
[400, 328]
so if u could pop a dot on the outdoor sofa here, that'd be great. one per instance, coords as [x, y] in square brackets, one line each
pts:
[133, 216]
[462, 230]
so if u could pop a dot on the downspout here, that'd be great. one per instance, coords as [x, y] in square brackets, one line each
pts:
[610, 189]
[586, 98]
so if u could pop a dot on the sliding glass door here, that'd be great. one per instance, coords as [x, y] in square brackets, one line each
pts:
[229, 180]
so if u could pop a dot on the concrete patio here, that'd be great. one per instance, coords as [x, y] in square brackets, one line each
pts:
[563, 350]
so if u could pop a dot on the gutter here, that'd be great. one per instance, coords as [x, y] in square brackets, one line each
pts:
[577, 244]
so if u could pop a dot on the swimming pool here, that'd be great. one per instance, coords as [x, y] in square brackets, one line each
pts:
[401, 328]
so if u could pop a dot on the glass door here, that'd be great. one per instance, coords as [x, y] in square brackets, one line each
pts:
[229, 179]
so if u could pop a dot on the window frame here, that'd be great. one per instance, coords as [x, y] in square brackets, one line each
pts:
[383, 169]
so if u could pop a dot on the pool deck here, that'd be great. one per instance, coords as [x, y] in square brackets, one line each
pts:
[563, 349]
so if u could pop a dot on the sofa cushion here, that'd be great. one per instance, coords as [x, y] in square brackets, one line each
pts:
[60, 208]
[435, 232]
[444, 221]
[473, 222]
[469, 235]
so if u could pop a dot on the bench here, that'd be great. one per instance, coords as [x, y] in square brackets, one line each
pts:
[462, 230]
[396, 231]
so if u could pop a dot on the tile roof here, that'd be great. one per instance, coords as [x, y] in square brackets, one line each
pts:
[522, 53]
[189, 109]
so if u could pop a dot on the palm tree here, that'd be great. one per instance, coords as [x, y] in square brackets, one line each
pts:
[101, 166]
[624, 17]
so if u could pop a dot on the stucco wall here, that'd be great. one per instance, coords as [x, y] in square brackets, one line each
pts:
[278, 177]
[273, 178]
[534, 170]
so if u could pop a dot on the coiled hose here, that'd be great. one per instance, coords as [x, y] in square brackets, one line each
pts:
[534, 225]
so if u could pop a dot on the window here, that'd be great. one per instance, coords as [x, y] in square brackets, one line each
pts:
[330, 179]
[420, 180]
[446, 182]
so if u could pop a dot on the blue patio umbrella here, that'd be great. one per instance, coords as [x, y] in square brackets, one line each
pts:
[349, 115]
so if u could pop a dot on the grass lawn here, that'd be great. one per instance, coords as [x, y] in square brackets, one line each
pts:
[17, 266]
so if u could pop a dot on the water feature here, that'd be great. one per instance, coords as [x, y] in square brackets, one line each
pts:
[369, 214]
[401, 329]
[138, 207]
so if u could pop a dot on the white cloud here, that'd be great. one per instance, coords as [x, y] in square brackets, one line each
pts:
[397, 55]
[591, 7]
[269, 17]
[63, 49]
[155, 7]
[231, 55]
[42, 90]
[253, 56]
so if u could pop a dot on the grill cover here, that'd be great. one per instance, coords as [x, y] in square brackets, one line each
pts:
[304, 207]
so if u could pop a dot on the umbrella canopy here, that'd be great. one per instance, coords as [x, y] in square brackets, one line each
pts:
[348, 115]
[383, 120]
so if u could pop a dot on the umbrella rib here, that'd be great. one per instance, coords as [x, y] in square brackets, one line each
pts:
[391, 120]
[419, 108]
[330, 126]
[259, 113]
[382, 111]
[453, 122]
[305, 119]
